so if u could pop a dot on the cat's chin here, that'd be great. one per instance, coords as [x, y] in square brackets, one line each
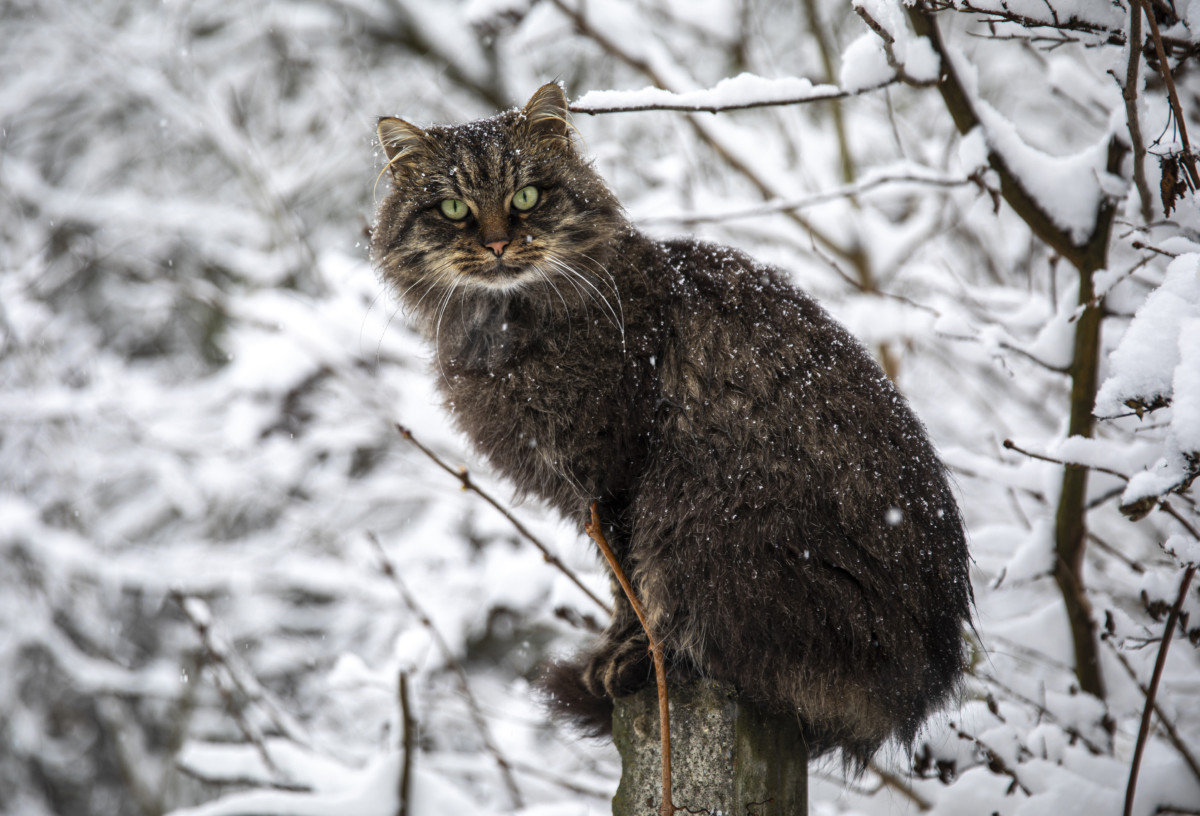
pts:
[501, 277]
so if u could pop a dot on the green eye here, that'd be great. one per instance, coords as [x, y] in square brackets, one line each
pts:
[454, 209]
[525, 199]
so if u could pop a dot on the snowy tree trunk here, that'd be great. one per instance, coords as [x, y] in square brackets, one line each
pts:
[726, 755]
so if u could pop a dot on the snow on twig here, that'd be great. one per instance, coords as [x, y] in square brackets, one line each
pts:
[734, 93]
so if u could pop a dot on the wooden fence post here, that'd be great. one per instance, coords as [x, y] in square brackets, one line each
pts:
[728, 758]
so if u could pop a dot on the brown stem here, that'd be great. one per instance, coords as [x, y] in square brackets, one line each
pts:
[1070, 520]
[593, 529]
[1152, 691]
[409, 745]
[1163, 720]
[1189, 158]
[896, 783]
[1129, 93]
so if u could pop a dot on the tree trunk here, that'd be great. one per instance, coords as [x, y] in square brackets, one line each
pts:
[727, 756]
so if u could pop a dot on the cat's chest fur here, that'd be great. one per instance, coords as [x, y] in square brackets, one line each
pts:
[559, 403]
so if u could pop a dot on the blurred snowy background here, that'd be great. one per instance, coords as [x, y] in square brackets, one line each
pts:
[218, 556]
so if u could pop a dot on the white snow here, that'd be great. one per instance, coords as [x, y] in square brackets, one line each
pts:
[864, 64]
[1185, 388]
[743, 90]
[1145, 363]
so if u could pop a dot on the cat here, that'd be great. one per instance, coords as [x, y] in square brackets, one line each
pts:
[777, 505]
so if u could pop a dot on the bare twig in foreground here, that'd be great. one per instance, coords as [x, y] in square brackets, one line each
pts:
[409, 744]
[1163, 720]
[1152, 691]
[593, 528]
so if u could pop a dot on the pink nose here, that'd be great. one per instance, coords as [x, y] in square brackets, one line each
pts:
[497, 247]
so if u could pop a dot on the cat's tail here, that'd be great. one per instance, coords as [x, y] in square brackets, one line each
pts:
[569, 699]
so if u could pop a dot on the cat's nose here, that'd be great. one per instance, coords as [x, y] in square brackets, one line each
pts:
[497, 246]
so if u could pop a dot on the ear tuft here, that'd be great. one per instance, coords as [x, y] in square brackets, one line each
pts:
[400, 141]
[546, 112]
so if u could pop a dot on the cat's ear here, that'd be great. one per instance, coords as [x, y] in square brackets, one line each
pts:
[546, 112]
[401, 142]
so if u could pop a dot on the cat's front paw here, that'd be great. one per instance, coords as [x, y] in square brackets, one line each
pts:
[619, 668]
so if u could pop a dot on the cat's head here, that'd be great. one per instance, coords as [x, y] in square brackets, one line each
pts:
[497, 206]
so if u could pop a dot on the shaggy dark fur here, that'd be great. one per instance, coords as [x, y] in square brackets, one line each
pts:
[775, 502]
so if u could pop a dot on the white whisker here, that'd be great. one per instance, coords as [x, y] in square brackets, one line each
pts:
[550, 282]
[598, 296]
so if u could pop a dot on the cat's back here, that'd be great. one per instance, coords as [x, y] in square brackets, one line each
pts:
[741, 331]
[758, 378]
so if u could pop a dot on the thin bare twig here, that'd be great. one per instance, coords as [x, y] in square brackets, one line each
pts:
[1044, 713]
[889, 50]
[1115, 553]
[224, 678]
[562, 782]
[893, 781]
[995, 762]
[1163, 720]
[1110, 36]
[409, 744]
[1010, 445]
[1167, 508]
[244, 781]
[593, 529]
[1164, 68]
[464, 477]
[850, 190]
[1129, 94]
[1152, 691]
[464, 684]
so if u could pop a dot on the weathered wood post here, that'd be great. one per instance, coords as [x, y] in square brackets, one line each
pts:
[728, 758]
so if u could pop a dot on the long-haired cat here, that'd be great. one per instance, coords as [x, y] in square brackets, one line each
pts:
[776, 504]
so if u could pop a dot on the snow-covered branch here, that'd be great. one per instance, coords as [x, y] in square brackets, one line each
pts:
[736, 93]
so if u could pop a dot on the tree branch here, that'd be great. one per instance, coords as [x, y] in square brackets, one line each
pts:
[1163, 720]
[820, 93]
[464, 477]
[850, 190]
[1164, 68]
[408, 744]
[1129, 94]
[1152, 691]
[958, 103]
